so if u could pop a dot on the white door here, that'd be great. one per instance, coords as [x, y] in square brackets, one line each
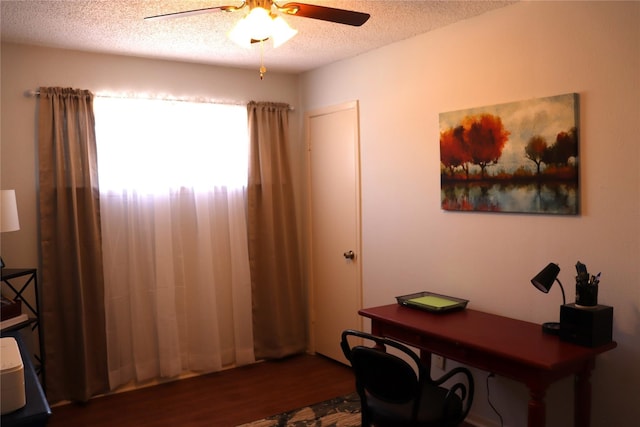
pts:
[334, 180]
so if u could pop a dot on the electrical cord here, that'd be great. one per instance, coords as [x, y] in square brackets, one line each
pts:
[491, 375]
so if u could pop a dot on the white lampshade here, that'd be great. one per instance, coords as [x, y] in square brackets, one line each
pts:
[240, 33]
[259, 25]
[9, 211]
[281, 32]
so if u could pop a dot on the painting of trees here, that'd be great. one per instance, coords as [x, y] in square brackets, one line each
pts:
[515, 157]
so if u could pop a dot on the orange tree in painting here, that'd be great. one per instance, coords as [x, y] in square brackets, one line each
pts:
[453, 150]
[479, 140]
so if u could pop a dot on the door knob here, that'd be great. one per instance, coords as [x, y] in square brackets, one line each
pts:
[349, 255]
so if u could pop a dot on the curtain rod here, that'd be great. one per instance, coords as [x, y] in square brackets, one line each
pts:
[36, 93]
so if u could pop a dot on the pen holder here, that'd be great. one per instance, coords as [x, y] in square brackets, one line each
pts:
[586, 294]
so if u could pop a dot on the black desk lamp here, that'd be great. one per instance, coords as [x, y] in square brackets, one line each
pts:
[543, 281]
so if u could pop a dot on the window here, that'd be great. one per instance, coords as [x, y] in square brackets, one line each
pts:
[151, 146]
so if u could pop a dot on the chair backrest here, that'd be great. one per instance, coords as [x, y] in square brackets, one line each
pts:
[393, 389]
[383, 375]
[384, 378]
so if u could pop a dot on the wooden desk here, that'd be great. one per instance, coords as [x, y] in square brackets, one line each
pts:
[512, 348]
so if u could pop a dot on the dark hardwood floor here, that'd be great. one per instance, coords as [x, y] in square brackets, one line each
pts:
[221, 399]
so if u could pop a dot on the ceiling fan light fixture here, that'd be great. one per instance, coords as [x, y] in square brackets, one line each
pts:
[260, 25]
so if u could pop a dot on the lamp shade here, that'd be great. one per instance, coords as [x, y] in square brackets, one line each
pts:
[544, 280]
[282, 32]
[8, 211]
[260, 25]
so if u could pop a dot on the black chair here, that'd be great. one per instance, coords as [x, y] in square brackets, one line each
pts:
[396, 393]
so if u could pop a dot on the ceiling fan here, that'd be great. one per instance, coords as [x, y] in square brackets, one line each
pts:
[262, 23]
[323, 13]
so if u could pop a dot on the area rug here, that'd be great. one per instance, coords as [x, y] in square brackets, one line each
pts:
[343, 411]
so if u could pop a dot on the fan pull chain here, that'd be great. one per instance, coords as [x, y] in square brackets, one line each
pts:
[263, 69]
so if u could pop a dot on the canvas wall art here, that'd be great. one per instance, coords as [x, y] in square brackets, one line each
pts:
[516, 157]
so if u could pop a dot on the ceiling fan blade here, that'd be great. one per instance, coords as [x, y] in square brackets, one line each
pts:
[193, 12]
[340, 16]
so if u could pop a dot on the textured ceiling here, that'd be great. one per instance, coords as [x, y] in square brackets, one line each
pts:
[118, 27]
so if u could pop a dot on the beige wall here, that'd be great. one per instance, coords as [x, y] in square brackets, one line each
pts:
[528, 50]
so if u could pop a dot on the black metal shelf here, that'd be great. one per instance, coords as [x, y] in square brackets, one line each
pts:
[28, 278]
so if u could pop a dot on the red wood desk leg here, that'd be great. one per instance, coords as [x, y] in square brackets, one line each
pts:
[537, 409]
[425, 358]
[582, 397]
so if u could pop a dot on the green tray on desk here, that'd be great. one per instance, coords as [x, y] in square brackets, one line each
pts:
[429, 301]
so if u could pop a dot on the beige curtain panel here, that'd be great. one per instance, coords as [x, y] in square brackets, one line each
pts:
[278, 305]
[72, 276]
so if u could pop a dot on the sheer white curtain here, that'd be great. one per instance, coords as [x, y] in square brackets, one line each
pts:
[177, 285]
